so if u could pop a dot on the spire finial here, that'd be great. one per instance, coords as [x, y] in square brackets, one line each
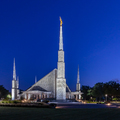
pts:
[61, 22]
[78, 77]
[61, 37]
[14, 71]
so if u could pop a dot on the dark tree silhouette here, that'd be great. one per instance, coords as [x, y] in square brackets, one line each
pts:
[3, 92]
[98, 90]
[85, 89]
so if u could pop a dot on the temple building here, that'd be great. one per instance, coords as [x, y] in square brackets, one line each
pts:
[52, 86]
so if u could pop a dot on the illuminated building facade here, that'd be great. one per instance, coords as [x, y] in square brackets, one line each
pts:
[52, 86]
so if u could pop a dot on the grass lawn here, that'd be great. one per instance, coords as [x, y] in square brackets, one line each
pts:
[21, 113]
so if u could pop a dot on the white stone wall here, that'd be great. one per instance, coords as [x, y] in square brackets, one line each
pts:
[60, 81]
[60, 55]
[61, 89]
[14, 84]
[68, 95]
[18, 93]
[14, 90]
[61, 70]
[48, 82]
[78, 87]
[14, 93]
[61, 65]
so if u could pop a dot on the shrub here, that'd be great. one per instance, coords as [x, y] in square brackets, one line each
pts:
[16, 101]
[40, 103]
[4, 101]
[90, 101]
[46, 101]
[9, 101]
[106, 102]
[53, 105]
[115, 99]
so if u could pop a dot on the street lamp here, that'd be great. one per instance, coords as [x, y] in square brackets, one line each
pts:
[106, 96]
[112, 97]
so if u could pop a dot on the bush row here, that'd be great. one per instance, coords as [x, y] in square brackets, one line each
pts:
[9, 101]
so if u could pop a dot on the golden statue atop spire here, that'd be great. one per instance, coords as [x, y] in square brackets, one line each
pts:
[61, 22]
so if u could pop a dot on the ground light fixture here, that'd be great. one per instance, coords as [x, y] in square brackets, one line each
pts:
[106, 96]
[108, 104]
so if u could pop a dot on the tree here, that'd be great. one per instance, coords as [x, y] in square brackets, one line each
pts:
[3, 92]
[98, 90]
[85, 89]
[112, 88]
[90, 92]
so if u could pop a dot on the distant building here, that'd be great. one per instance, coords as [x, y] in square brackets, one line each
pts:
[51, 86]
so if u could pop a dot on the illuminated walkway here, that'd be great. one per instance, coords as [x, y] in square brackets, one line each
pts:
[85, 106]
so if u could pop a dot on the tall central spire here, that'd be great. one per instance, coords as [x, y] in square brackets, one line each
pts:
[61, 37]
[78, 76]
[14, 71]
[60, 80]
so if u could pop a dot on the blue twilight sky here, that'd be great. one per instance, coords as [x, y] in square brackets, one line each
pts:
[29, 31]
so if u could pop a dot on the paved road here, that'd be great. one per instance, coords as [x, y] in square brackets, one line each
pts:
[85, 106]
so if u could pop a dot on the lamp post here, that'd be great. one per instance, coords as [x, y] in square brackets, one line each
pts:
[91, 98]
[106, 96]
[112, 97]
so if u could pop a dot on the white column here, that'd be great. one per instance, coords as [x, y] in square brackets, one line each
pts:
[29, 95]
[79, 96]
[48, 95]
[25, 96]
[69, 96]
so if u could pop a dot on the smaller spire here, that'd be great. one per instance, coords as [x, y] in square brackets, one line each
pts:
[35, 79]
[14, 71]
[17, 81]
[78, 76]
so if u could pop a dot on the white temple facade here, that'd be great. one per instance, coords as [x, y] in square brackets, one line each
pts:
[52, 86]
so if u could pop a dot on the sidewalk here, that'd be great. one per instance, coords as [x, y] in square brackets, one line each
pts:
[116, 105]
